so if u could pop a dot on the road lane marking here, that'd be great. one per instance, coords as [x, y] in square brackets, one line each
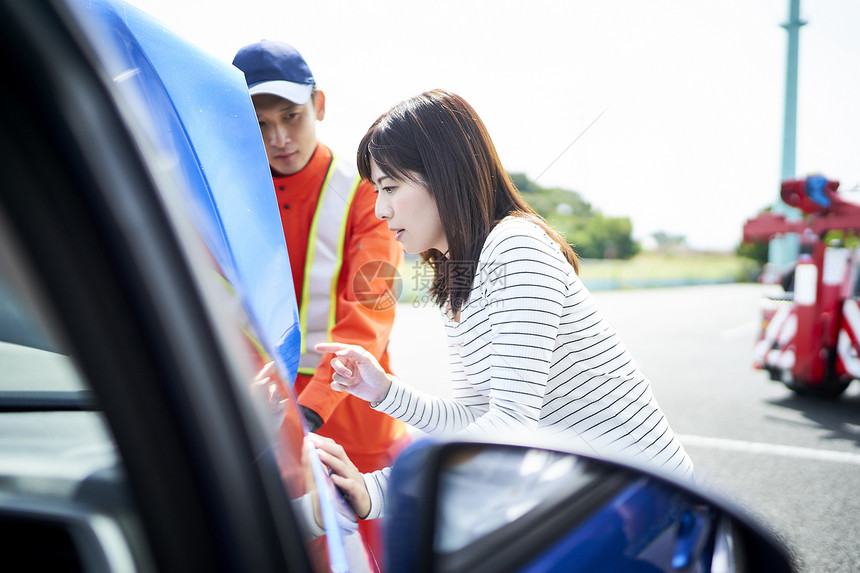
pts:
[771, 449]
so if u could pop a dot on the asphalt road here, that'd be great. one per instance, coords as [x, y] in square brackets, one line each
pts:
[793, 463]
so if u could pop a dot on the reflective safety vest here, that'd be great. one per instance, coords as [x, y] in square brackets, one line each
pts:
[324, 261]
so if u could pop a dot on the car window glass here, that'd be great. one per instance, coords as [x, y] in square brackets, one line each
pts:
[30, 369]
[482, 490]
[29, 360]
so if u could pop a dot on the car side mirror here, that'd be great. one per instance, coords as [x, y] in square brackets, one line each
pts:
[466, 506]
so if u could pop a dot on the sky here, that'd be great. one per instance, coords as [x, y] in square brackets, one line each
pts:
[669, 112]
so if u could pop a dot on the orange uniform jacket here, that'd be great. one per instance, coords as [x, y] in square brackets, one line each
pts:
[371, 439]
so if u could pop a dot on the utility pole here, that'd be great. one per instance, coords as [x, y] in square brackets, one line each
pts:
[783, 250]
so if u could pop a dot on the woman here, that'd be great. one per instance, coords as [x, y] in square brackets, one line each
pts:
[528, 347]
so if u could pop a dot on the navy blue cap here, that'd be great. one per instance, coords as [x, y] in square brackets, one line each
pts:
[276, 68]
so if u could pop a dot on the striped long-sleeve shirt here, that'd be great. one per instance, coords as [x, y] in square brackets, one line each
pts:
[532, 351]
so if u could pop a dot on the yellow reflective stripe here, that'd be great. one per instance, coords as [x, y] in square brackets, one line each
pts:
[324, 262]
[341, 240]
[312, 240]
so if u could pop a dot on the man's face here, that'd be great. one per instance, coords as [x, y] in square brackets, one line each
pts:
[289, 130]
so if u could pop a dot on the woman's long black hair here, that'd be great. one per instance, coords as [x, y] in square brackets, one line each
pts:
[437, 139]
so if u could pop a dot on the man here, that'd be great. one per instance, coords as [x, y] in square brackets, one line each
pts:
[338, 250]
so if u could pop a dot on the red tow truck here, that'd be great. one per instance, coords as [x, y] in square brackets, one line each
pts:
[810, 335]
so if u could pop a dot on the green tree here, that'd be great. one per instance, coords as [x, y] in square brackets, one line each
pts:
[590, 233]
[756, 250]
[605, 238]
[753, 250]
[523, 183]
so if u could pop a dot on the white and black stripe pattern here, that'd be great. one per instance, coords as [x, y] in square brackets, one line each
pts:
[532, 351]
[376, 484]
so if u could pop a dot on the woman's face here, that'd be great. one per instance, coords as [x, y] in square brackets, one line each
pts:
[409, 210]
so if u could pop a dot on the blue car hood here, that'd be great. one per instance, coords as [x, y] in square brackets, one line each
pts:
[197, 111]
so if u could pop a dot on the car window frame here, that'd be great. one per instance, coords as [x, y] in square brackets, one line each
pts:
[161, 373]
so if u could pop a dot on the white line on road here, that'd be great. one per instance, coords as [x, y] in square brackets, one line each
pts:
[771, 449]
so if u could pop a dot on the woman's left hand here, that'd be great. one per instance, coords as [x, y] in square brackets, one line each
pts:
[343, 473]
[356, 371]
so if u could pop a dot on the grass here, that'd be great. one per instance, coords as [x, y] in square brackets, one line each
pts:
[657, 266]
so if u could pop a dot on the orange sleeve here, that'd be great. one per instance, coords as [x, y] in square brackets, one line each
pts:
[366, 296]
